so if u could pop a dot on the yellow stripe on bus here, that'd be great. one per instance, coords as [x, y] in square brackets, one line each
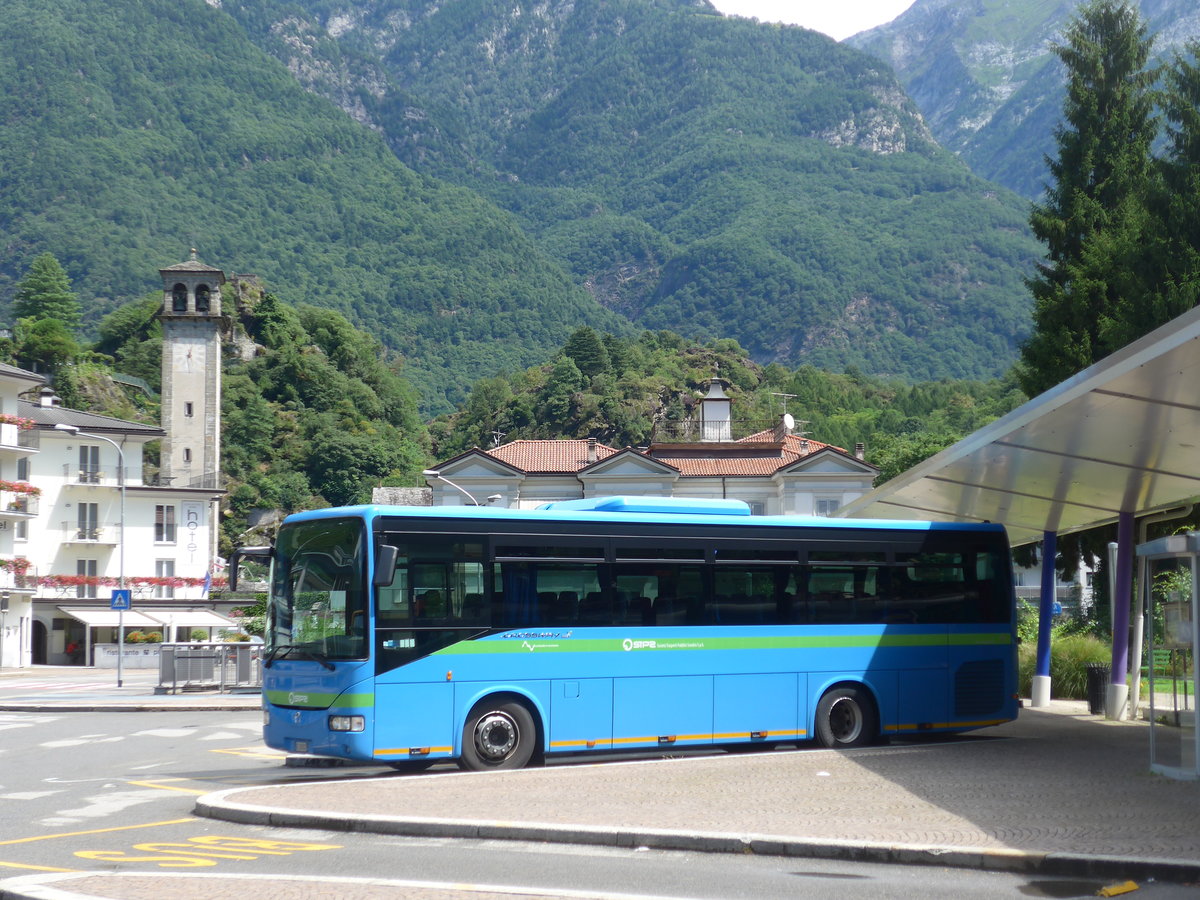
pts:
[405, 751]
[597, 744]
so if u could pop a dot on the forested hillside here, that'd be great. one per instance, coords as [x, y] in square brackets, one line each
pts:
[716, 177]
[983, 75]
[136, 130]
[622, 391]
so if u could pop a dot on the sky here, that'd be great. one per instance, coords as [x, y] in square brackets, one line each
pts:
[837, 18]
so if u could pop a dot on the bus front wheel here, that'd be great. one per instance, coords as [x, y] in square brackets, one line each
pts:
[846, 718]
[498, 735]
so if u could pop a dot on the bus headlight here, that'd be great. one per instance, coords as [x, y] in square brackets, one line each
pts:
[347, 723]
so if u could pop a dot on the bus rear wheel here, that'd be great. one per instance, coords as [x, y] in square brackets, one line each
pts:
[498, 735]
[846, 717]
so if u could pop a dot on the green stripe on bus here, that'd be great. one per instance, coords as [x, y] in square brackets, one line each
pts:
[311, 700]
[634, 645]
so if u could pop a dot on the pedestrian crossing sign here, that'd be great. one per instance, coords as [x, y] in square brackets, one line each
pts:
[121, 598]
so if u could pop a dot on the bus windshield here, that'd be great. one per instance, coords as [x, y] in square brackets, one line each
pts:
[319, 592]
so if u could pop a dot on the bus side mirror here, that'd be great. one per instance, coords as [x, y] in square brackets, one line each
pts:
[385, 565]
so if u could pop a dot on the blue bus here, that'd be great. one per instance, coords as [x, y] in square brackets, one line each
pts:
[405, 635]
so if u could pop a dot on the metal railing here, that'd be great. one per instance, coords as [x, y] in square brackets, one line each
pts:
[220, 666]
[19, 502]
[104, 476]
[696, 430]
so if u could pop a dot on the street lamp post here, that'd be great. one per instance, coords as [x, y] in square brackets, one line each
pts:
[434, 473]
[74, 430]
[4, 595]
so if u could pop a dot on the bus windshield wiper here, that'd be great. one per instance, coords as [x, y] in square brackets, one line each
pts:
[282, 649]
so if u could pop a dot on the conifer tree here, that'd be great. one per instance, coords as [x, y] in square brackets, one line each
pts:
[1178, 200]
[586, 348]
[1094, 218]
[45, 293]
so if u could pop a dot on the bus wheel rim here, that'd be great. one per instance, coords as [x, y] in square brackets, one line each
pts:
[496, 736]
[845, 720]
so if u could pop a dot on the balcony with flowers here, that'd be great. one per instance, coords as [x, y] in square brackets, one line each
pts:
[17, 574]
[18, 434]
[143, 587]
[18, 499]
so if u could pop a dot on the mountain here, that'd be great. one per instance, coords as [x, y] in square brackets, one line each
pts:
[135, 129]
[715, 177]
[470, 181]
[986, 82]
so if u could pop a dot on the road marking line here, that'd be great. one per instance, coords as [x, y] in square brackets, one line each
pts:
[251, 752]
[167, 787]
[12, 865]
[66, 834]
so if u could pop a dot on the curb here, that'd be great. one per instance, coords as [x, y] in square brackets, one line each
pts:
[214, 806]
[110, 707]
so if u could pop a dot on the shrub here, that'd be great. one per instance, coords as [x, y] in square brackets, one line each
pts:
[153, 637]
[199, 634]
[1069, 657]
[135, 637]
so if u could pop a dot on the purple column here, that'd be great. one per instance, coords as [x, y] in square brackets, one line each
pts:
[1122, 592]
[1046, 606]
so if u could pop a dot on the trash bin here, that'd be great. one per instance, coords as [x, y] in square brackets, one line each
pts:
[1097, 687]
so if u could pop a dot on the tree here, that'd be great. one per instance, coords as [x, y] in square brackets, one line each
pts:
[45, 293]
[1176, 204]
[1094, 218]
[586, 348]
[44, 345]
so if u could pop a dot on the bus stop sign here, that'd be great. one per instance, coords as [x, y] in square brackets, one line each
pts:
[121, 598]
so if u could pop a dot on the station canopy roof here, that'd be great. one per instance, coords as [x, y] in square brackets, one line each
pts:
[1121, 436]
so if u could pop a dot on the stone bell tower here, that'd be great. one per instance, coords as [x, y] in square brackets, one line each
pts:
[191, 374]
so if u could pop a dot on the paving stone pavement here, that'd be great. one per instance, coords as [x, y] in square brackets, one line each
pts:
[1057, 783]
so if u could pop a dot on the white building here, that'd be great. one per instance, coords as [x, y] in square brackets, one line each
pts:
[80, 518]
[100, 524]
[18, 506]
[775, 471]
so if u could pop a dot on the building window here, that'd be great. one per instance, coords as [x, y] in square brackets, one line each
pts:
[187, 409]
[179, 298]
[23, 469]
[164, 568]
[87, 569]
[89, 464]
[187, 454]
[202, 298]
[164, 524]
[88, 521]
[825, 506]
[757, 507]
[21, 531]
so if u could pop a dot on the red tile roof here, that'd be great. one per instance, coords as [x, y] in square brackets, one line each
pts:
[548, 457]
[756, 455]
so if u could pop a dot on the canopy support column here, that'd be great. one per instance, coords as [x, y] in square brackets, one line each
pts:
[1117, 700]
[1040, 692]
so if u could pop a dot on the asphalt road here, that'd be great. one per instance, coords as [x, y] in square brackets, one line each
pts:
[113, 791]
